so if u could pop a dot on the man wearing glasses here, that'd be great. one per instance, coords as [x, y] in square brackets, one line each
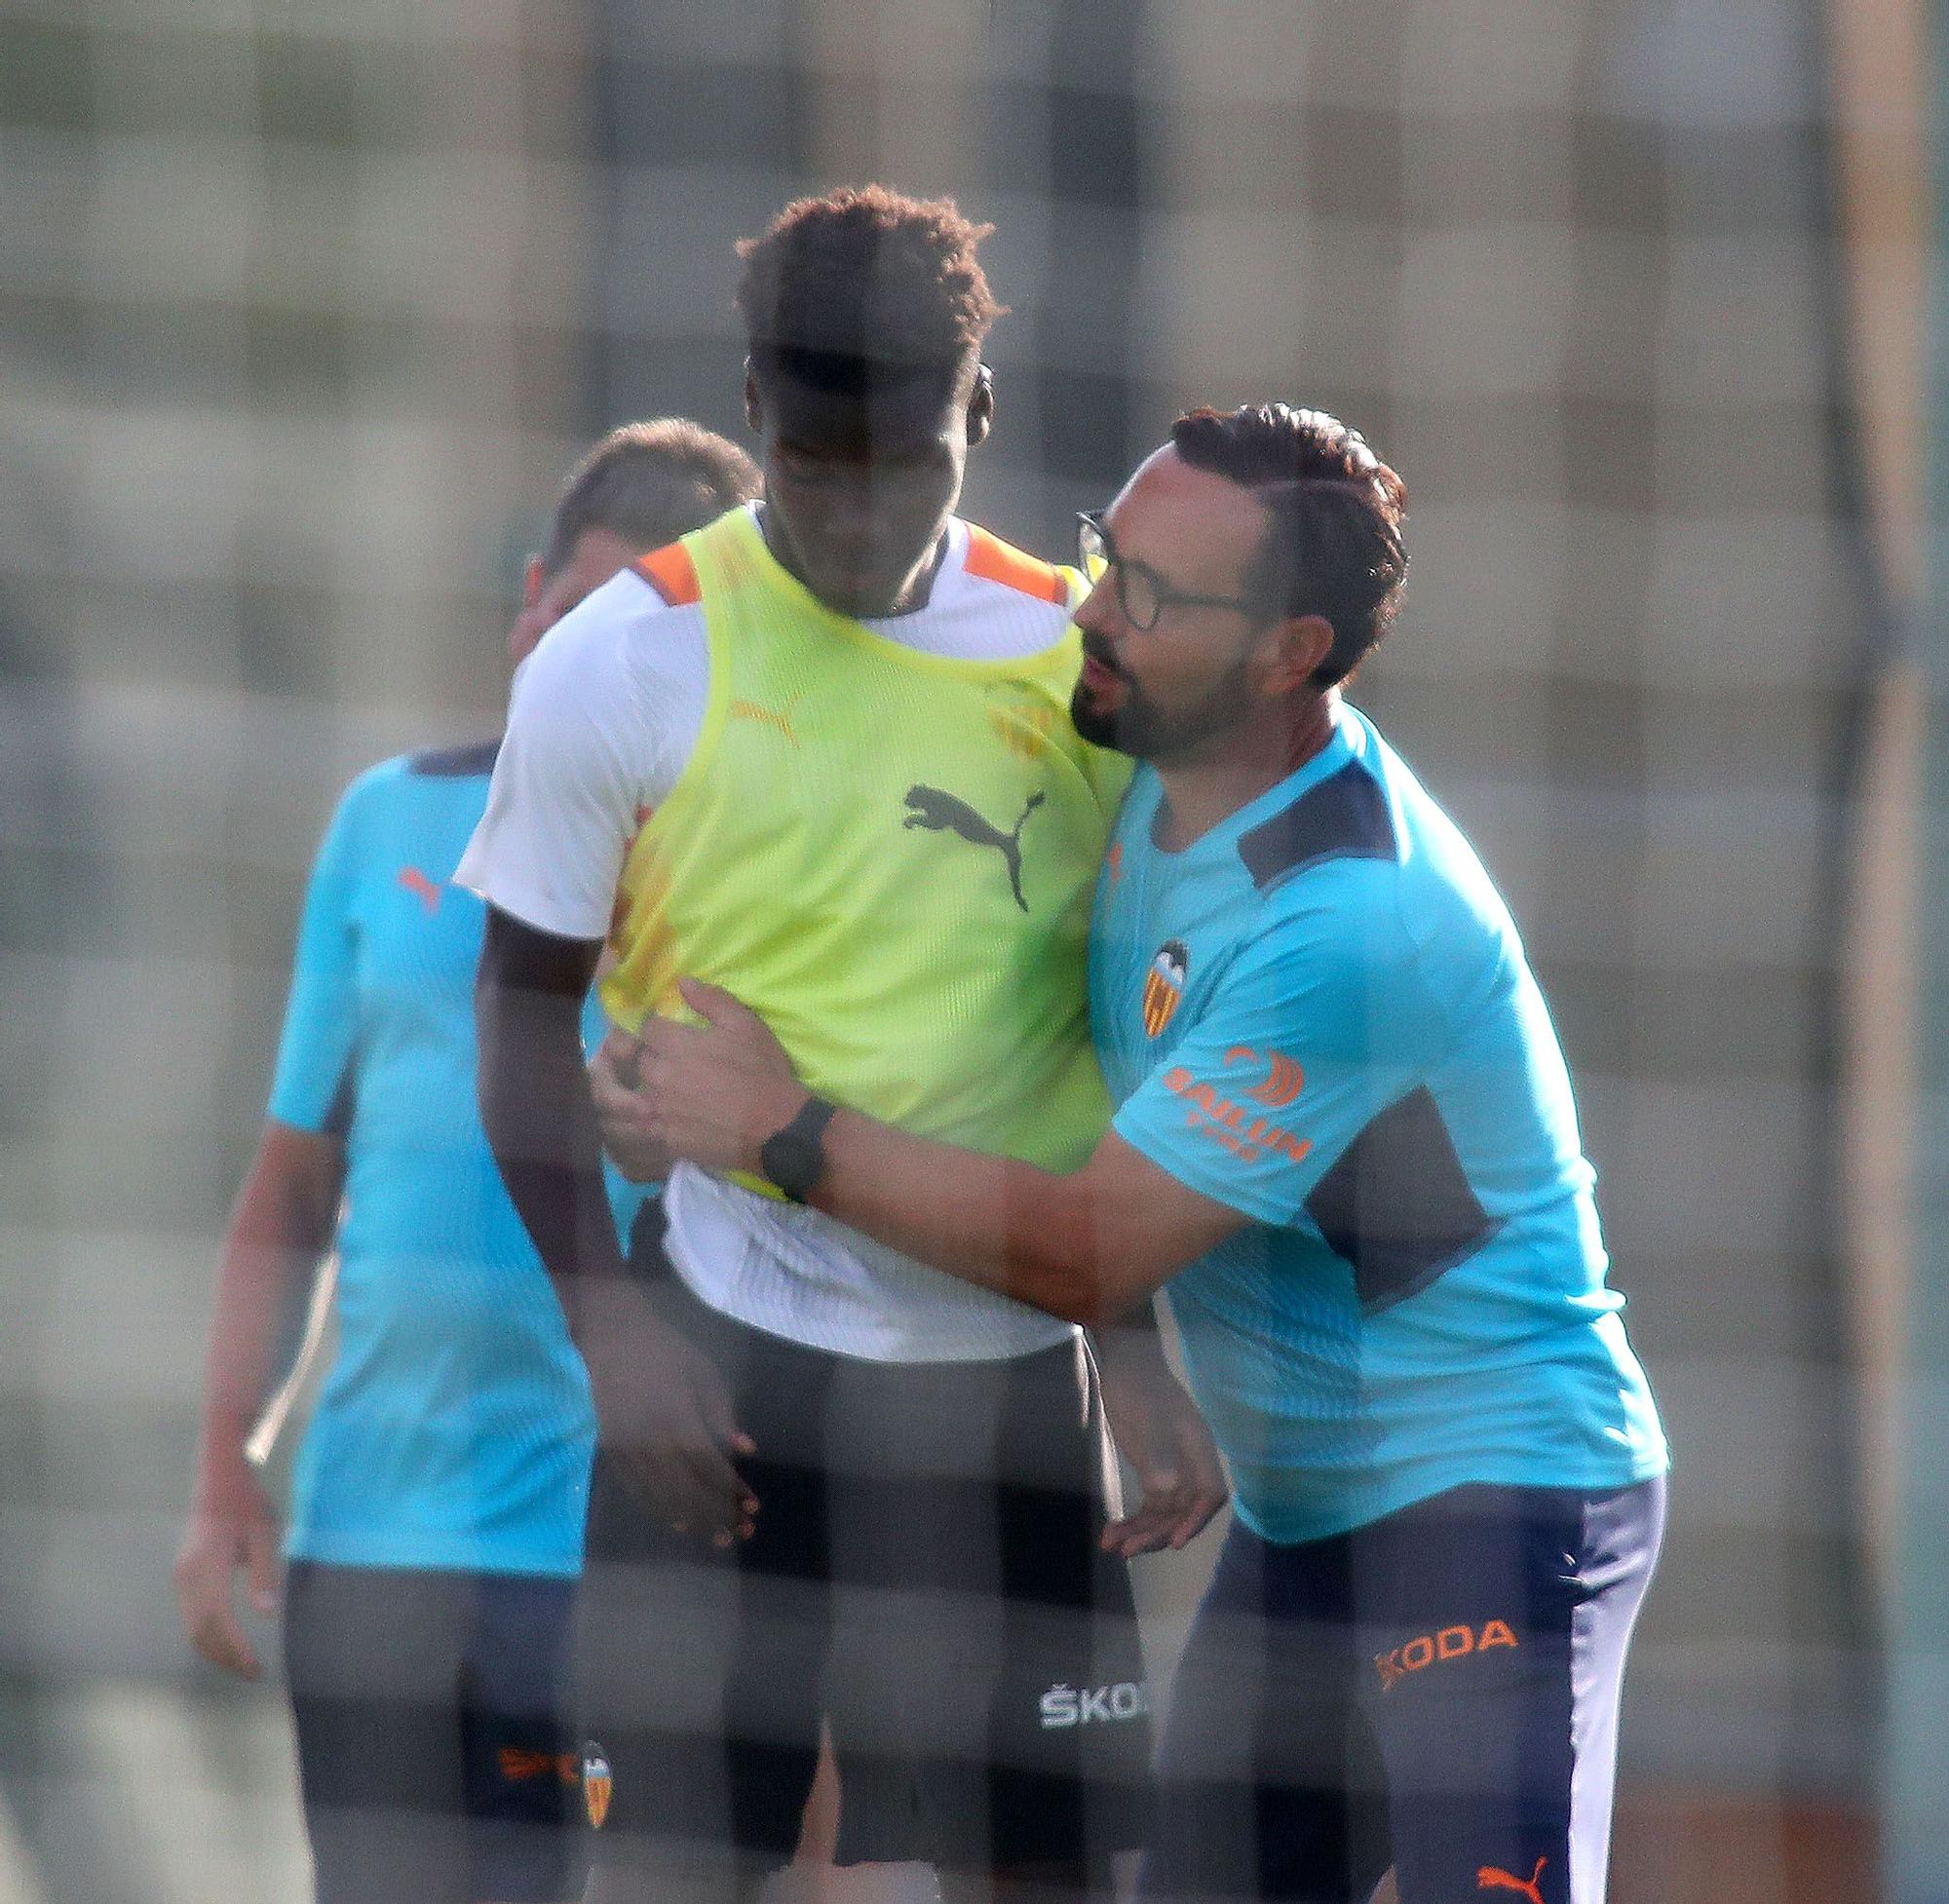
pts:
[1346, 1148]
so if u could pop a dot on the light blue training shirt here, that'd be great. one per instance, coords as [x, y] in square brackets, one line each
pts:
[455, 1427]
[1320, 1015]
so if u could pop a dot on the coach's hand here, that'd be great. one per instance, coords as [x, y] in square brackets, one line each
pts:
[231, 1526]
[713, 1092]
[1158, 1429]
[665, 1415]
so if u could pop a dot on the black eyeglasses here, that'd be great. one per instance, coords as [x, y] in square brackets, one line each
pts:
[1142, 593]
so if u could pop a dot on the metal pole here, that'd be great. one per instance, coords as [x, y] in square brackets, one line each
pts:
[1916, 1783]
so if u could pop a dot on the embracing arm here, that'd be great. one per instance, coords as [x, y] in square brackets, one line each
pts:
[1324, 1022]
[1087, 1246]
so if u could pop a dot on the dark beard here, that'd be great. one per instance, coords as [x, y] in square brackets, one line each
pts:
[1096, 725]
[1135, 726]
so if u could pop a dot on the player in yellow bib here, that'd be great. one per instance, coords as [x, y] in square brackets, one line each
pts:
[895, 845]
[820, 753]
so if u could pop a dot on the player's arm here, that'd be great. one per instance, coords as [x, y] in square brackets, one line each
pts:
[534, 1103]
[280, 1224]
[665, 1415]
[547, 858]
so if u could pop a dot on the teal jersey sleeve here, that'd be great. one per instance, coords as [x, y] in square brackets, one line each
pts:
[313, 1076]
[1303, 1040]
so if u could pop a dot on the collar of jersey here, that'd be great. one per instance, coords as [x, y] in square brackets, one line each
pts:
[866, 634]
[1348, 744]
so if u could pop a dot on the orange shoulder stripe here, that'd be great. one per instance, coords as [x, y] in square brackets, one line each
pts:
[671, 574]
[995, 560]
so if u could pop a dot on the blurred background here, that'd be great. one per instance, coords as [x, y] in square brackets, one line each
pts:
[304, 310]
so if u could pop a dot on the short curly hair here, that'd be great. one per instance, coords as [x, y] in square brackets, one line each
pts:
[1334, 546]
[866, 286]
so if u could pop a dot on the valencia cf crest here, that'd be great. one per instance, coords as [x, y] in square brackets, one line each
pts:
[1164, 984]
[598, 1783]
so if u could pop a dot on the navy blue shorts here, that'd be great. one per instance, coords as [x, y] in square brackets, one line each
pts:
[435, 1748]
[925, 1577]
[1437, 1692]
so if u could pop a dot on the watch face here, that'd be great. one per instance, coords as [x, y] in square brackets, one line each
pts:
[794, 1161]
[794, 1157]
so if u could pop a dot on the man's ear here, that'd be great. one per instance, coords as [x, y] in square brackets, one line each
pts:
[981, 407]
[1295, 650]
[532, 579]
[754, 408]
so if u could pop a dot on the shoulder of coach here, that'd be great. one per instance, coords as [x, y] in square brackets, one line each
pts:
[1348, 819]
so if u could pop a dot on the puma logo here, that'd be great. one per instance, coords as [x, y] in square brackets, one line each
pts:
[420, 887]
[1491, 1878]
[1024, 728]
[753, 710]
[940, 812]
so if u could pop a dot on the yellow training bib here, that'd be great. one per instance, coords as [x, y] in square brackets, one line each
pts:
[888, 854]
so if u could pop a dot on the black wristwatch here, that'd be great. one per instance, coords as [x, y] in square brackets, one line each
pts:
[794, 1157]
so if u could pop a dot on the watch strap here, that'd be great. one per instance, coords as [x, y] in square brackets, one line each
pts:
[793, 1156]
